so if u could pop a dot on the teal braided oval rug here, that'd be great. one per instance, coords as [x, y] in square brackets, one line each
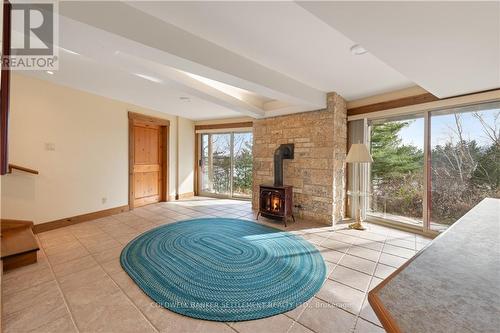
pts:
[224, 269]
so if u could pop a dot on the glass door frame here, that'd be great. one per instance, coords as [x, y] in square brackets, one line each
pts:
[199, 176]
[424, 110]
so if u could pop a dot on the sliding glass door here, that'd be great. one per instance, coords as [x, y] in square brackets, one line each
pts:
[397, 180]
[226, 164]
[465, 161]
[432, 167]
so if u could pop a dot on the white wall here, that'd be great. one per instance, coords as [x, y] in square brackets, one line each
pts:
[186, 155]
[90, 160]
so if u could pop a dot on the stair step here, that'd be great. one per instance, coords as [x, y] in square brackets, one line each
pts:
[19, 245]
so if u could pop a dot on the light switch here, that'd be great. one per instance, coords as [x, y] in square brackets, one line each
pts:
[50, 146]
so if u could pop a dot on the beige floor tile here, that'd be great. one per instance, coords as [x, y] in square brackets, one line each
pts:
[398, 251]
[34, 316]
[322, 317]
[87, 276]
[351, 278]
[298, 328]
[341, 296]
[110, 313]
[44, 293]
[335, 245]
[359, 264]
[275, 324]
[363, 326]
[74, 266]
[375, 282]
[65, 256]
[406, 243]
[342, 237]
[371, 236]
[112, 266]
[369, 244]
[60, 325]
[364, 253]
[108, 254]
[64, 247]
[382, 271]
[330, 255]
[103, 246]
[367, 313]
[134, 293]
[22, 282]
[167, 321]
[90, 294]
[390, 260]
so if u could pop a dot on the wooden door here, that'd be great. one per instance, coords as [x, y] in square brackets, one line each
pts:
[147, 162]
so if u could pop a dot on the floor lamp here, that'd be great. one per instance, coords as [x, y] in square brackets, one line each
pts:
[358, 154]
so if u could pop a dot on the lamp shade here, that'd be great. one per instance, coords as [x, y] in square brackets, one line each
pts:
[359, 154]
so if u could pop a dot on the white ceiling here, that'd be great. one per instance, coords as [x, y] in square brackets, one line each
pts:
[284, 37]
[449, 48]
[267, 58]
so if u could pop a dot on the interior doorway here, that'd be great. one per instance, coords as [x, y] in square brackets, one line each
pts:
[148, 160]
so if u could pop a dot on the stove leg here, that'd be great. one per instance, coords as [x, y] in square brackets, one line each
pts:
[257, 218]
[293, 218]
[284, 219]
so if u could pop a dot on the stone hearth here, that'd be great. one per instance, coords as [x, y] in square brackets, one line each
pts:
[317, 172]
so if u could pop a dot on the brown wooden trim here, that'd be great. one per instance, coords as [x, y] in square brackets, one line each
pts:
[223, 126]
[396, 103]
[197, 157]
[19, 260]
[383, 315]
[5, 87]
[148, 119]
[137, 118]
[8, 224]
[37, 228]
[181, 196]
[20, 168]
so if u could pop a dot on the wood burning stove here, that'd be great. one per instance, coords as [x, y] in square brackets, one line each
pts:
[276, 201]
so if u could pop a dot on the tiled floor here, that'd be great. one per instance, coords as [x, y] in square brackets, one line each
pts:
[79, 285]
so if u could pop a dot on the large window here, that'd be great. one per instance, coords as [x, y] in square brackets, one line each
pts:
[465, 161]
[397, 181]
[432, 167]
[226, 164]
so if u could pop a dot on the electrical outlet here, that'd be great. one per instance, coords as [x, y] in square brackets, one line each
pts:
[104, 200]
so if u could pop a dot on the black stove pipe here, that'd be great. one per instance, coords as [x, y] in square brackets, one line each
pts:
[284, 152]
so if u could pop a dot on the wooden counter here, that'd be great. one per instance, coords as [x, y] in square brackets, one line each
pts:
[452, 285]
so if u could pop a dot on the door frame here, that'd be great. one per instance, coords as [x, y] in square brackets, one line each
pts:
[134, 118]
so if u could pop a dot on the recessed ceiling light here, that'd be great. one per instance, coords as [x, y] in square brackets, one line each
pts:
[185, 99]
[149, 78]
[358, 50]
[50, 72]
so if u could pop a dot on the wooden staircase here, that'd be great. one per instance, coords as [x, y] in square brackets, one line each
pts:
[19, 245]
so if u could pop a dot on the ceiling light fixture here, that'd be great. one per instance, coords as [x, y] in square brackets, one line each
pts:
[357, 49]
[149, 78]
[50, 72]
[185, 99]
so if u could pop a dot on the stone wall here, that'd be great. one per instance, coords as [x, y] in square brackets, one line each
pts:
[317, 172]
